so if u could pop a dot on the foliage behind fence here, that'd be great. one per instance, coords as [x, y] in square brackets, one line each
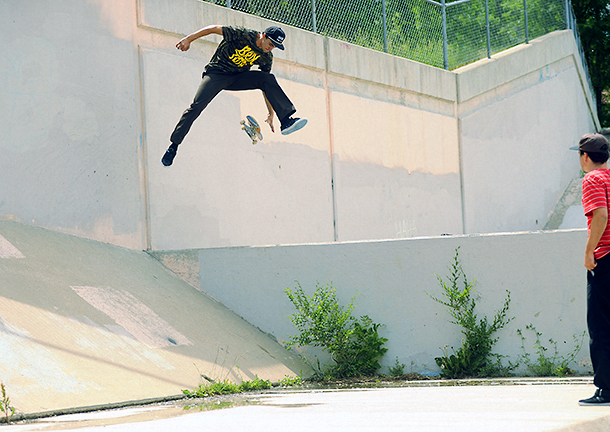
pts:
[414, 28]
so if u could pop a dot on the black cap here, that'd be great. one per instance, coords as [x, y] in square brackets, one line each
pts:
[276, 35]
[592, 143]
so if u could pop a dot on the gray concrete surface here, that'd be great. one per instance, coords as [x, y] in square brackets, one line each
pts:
[522, 405]
[86, 323]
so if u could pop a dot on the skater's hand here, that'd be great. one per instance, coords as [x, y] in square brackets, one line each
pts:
[269, 121]
[183, 44]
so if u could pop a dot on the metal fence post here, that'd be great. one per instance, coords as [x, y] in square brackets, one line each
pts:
[527, 33]
[567, 13]
[313, 16]
[385, 27]
[445, 48]
[487, 27]
[574, 26]
[229, 4]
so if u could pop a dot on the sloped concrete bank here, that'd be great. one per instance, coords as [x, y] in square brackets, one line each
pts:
[87, 323]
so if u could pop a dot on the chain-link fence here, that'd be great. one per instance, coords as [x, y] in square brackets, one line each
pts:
[439, 33]
[479, 28]
[442, 34]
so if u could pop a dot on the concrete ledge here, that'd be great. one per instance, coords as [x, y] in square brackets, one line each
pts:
[355, 61]
[542, 270]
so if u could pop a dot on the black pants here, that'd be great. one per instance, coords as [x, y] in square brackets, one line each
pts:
[598, 321]
[213, 83]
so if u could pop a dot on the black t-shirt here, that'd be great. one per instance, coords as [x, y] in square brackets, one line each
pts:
[238, 53]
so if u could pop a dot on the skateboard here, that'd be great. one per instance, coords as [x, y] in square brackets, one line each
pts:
[252, 129]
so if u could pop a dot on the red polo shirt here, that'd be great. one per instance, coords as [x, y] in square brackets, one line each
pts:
[595, 188]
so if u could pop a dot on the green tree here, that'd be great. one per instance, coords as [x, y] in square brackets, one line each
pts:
[593, 17]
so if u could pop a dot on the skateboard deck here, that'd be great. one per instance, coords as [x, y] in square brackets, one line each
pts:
[252, 129]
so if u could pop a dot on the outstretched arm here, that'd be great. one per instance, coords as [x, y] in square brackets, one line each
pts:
[185, 43]
[270, 115]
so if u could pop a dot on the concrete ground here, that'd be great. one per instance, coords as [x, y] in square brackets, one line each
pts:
[509, 405]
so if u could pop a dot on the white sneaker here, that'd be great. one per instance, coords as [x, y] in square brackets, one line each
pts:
[293, 125]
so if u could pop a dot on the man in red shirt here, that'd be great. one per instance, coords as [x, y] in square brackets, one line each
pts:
[594, 154]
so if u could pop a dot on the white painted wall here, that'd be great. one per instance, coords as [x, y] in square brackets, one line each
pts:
[70, 127]
[91, 91]
[518, 112]
[543, 272]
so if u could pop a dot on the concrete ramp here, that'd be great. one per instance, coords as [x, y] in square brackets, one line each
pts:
[86, 323]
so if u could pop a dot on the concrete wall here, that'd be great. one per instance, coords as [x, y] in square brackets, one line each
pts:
[90, 92]
[70, 128]
[517, 112]
[364, 137]
[543, 272]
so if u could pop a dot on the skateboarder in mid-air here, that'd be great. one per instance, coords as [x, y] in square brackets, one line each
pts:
[229, 69]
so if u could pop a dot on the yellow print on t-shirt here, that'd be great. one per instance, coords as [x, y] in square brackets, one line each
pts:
[244, 56]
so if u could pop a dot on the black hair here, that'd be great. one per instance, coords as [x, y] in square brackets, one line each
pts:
[596, 157]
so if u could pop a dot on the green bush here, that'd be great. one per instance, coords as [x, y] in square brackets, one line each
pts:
[355, 346]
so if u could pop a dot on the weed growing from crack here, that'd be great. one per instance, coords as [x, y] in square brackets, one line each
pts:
[397, 370]
[225, 387]
[474, 358]
[556, 364]
[289, 381]
[5, 404]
